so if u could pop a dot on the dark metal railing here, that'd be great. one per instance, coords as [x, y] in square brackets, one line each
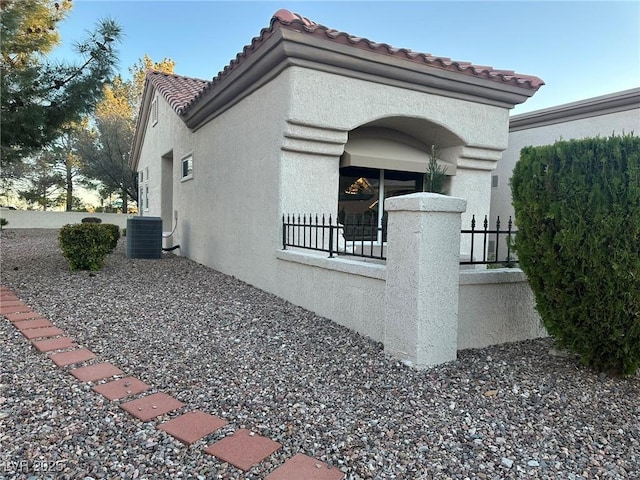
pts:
[490, 240]
[358, 236]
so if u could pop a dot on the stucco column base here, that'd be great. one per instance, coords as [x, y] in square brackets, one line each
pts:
[421, 295]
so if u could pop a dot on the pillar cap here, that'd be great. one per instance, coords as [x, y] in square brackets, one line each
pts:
[425, 202]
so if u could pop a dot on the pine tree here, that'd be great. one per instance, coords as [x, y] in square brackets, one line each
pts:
[38, 97]
[436, 174]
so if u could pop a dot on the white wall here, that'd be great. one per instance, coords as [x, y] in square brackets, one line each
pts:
[39, 219]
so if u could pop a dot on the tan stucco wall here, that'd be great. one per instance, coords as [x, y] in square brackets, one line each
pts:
[277, 151]
[39, 219]
[168, 135]
[348, 103]
[496, 306]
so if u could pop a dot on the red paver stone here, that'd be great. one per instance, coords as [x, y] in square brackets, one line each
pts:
[42, 332]
[74, 356]
[4, 310]
[54, 344]
[305, 467]
[243, 449]
[192, 426]
[152, 406]
[15, 317]
[9, 297]
[35, 323]
[99, 371]
[121, 388]
[10, 301]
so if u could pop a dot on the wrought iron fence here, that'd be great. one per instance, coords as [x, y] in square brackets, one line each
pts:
[490, 240]
[358, 236]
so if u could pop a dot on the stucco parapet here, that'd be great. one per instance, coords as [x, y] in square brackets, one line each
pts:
[319, 54]
[425, 202]
[498, 275]
[353, 267]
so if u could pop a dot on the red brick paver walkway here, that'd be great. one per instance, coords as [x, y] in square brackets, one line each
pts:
[243, 449]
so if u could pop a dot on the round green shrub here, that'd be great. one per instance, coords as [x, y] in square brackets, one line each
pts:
[577, 207]
[85, 245]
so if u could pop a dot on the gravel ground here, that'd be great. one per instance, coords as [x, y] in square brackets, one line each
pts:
[220, 345]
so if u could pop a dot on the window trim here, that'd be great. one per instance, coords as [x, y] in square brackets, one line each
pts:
[189, 176]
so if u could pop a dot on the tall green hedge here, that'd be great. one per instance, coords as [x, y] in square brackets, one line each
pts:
[577, 207]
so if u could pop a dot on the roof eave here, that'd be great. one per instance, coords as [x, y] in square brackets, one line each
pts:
[285, 48]
[393, 70]
[141, 125]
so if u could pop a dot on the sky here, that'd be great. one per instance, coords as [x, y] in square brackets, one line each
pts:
[581, 49]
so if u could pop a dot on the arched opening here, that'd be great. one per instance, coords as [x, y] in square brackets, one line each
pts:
[387, 158]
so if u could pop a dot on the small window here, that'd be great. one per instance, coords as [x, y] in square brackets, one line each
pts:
[154, 111]
[187, 167]
[495, 181]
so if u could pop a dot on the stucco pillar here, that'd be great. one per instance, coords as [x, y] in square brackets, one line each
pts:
[473, 183]
[421, 295]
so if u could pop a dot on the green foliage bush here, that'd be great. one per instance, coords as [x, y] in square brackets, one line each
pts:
[115, 235]
[577, 207]
[86, 245]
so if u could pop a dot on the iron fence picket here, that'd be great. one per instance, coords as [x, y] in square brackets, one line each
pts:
[486, 233]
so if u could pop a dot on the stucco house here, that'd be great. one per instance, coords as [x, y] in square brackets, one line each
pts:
[302, 111]
[300, 115]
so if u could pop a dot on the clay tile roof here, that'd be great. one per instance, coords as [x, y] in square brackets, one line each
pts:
[177, 90]
[285, 19]
[292, 21]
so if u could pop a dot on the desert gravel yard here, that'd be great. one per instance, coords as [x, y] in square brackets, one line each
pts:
[224, 347]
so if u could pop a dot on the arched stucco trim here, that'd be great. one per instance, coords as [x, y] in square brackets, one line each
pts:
[427, 131]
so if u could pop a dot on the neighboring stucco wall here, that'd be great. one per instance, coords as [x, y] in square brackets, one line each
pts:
[601, 116]
[38, 219]
[496, 306]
